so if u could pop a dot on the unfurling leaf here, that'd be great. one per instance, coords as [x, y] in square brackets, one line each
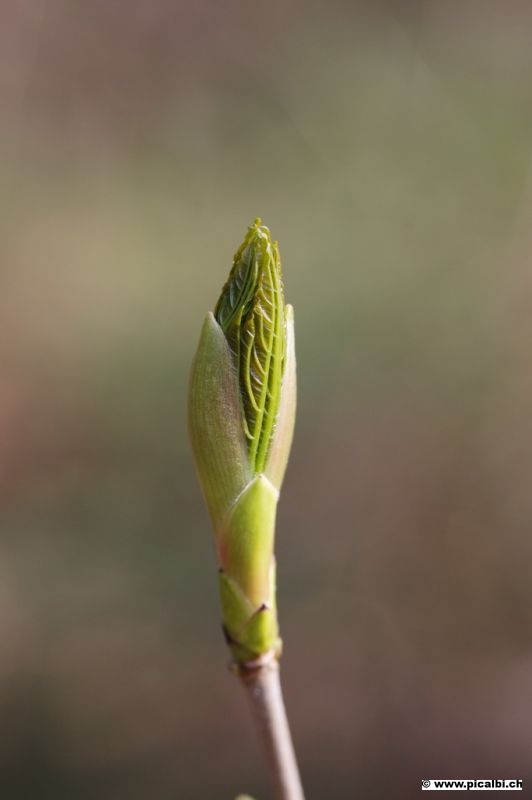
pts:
[241, 418]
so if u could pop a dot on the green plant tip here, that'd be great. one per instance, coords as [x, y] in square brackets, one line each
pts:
[242, 402]
[251, 313]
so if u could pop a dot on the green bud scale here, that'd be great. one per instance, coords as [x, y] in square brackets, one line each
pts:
[242, 402]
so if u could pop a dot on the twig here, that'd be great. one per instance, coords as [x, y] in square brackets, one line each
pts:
[262, 683]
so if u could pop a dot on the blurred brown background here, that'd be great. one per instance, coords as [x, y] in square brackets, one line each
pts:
[387, 145]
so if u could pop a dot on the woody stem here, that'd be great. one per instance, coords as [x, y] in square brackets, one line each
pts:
[261, 680]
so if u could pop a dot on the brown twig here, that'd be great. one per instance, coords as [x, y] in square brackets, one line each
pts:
[262, 683]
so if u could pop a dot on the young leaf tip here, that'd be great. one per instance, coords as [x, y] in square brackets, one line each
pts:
[252, 315]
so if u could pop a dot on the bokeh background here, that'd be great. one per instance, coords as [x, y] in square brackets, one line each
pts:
[387, 145]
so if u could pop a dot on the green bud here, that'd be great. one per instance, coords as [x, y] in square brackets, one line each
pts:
[241, 417]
